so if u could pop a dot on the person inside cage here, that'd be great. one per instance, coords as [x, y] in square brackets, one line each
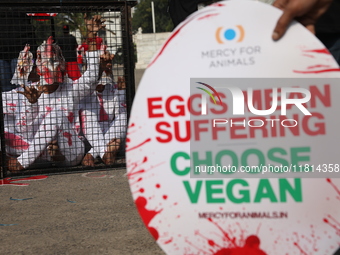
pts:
[18, 129]
[104, 120]
[55, 100]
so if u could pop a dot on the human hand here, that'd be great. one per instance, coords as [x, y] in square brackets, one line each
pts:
[106, 60]
[31, 93]
[25, 62]
[93, 25]
[306, 12]
[121, 83]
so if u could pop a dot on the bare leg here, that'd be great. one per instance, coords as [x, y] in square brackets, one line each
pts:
[54, 151]
[14, 165]
[88, 160]
[112, 149]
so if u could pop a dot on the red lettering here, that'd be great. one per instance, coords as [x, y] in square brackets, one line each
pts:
[180, 108]
[152, 107]
[168, 134]
[187, 131]
[325, 98]
[198, 129]
[319, 127]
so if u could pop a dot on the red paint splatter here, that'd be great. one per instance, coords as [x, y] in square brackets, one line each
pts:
[48, 109]
[165, 197]
[147, 215]
[319, 71]
[139, 145]
[11, 104]
[134, 166]
[333, 185]
[300, 249]
[70, 117]
[154, 233]
[217, 5]
[13, 182]
[334, 224]
[172, 36]
[323, 51]
[168, 241]
[69, 138]
[139, 180]
[132, 125]
[208, 16]
[158, 186]
[317, 66]
[15, 141]
[141, 190]
[230, 245]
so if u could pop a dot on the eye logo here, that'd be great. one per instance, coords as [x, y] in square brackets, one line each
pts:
[204, 99]
[230, 34]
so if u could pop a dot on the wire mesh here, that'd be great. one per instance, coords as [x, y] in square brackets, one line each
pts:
[65, 105]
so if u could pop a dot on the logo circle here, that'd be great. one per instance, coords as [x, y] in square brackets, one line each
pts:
[229, 34]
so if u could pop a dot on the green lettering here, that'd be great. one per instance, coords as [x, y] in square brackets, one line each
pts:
[211, 191]
[274, 158]
[245, 194]
[193, 196]
[285, 188]
[173, 163]
[265, 190]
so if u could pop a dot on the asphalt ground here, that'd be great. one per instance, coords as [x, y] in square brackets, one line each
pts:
[80, 213]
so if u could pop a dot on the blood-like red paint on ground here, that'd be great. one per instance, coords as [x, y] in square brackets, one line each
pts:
[158, 186]
[15, 141]
[69, 138]
[165, 197]
[13, 182]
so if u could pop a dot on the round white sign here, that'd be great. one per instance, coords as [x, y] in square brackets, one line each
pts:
[232, 145]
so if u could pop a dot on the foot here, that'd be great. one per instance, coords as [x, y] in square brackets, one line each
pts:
[111, 151]
[88, 160]
[54, 151]
[14, 165]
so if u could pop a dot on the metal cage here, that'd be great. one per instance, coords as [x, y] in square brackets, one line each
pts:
[56, 131]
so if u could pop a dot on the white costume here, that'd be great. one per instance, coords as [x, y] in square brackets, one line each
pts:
[103, 117]
[19, 123]
[56, 113]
